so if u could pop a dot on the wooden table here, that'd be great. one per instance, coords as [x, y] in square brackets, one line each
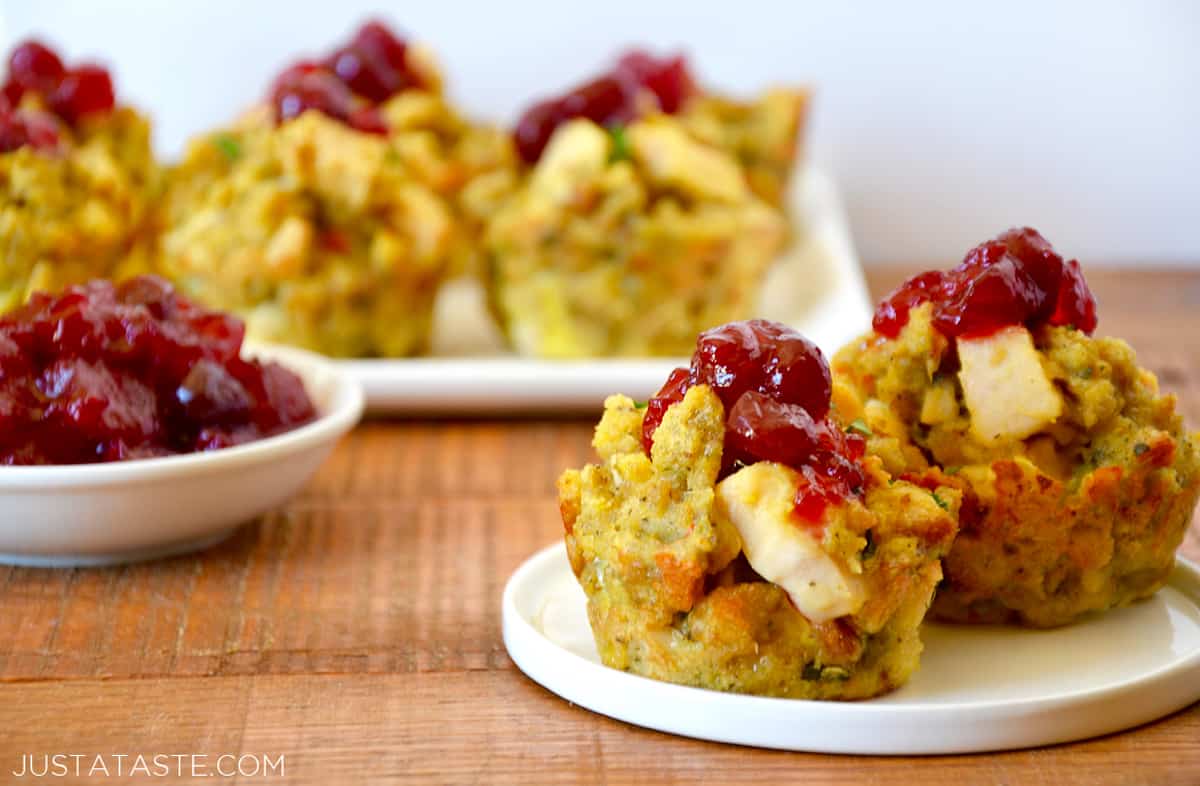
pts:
[357, 630]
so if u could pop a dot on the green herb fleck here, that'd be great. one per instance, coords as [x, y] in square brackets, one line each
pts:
[640, 404]
[229, 146]
[1087, 372]
[811, 672]
[1140, 448]
[859, 426]
[952, 469]
[941, 503]
[620, 144]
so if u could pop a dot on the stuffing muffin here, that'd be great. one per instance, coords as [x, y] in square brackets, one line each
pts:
[733, 538]
[627, 242]
[311, 219]
[77, 177]
[312, 233]
[1079, 478]
[647, 212]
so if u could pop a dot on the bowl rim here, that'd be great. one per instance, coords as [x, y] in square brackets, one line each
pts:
[343, 410]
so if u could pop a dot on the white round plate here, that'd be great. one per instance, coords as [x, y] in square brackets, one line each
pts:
[105, 514]
[978, 688]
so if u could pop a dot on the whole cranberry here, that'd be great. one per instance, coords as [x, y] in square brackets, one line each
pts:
[364, 73]
[34, 66]
[84, 90]
[535, 128]
[603, 101]
[760, 428]
[795, 371]
[758, 356]
[765, 356]
[300, 90]
[729, 359]
[377, 42]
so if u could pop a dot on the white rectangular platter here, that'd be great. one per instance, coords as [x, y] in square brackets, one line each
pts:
[816, 286]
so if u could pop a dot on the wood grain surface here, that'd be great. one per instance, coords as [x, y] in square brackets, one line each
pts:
[357, 630]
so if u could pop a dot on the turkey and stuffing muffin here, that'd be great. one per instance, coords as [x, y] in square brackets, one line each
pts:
[648, 212]
[77, 177]
[732, 537]
[1079, 478]
[328, 217]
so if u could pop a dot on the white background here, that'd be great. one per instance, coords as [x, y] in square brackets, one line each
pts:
[943, 124]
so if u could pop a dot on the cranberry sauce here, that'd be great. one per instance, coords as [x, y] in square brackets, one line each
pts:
[1016, 279]
[612, 98]
[775, 387]
[350, 84]
[104, 373]
[66, 96]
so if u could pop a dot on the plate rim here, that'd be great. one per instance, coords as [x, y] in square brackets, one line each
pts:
[520, 637]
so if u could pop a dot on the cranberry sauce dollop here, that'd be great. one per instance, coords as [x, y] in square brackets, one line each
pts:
[775, 386]
[105, 373]
[68, 95]
[1016, 279]
[638, 81]
[350, 84]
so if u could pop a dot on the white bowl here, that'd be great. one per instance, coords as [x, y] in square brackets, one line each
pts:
[105, 514]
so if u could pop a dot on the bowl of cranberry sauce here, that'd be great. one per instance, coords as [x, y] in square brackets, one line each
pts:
[135, 424]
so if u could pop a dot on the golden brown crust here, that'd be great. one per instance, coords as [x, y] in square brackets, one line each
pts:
[1039, 553]
[1082, 517]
